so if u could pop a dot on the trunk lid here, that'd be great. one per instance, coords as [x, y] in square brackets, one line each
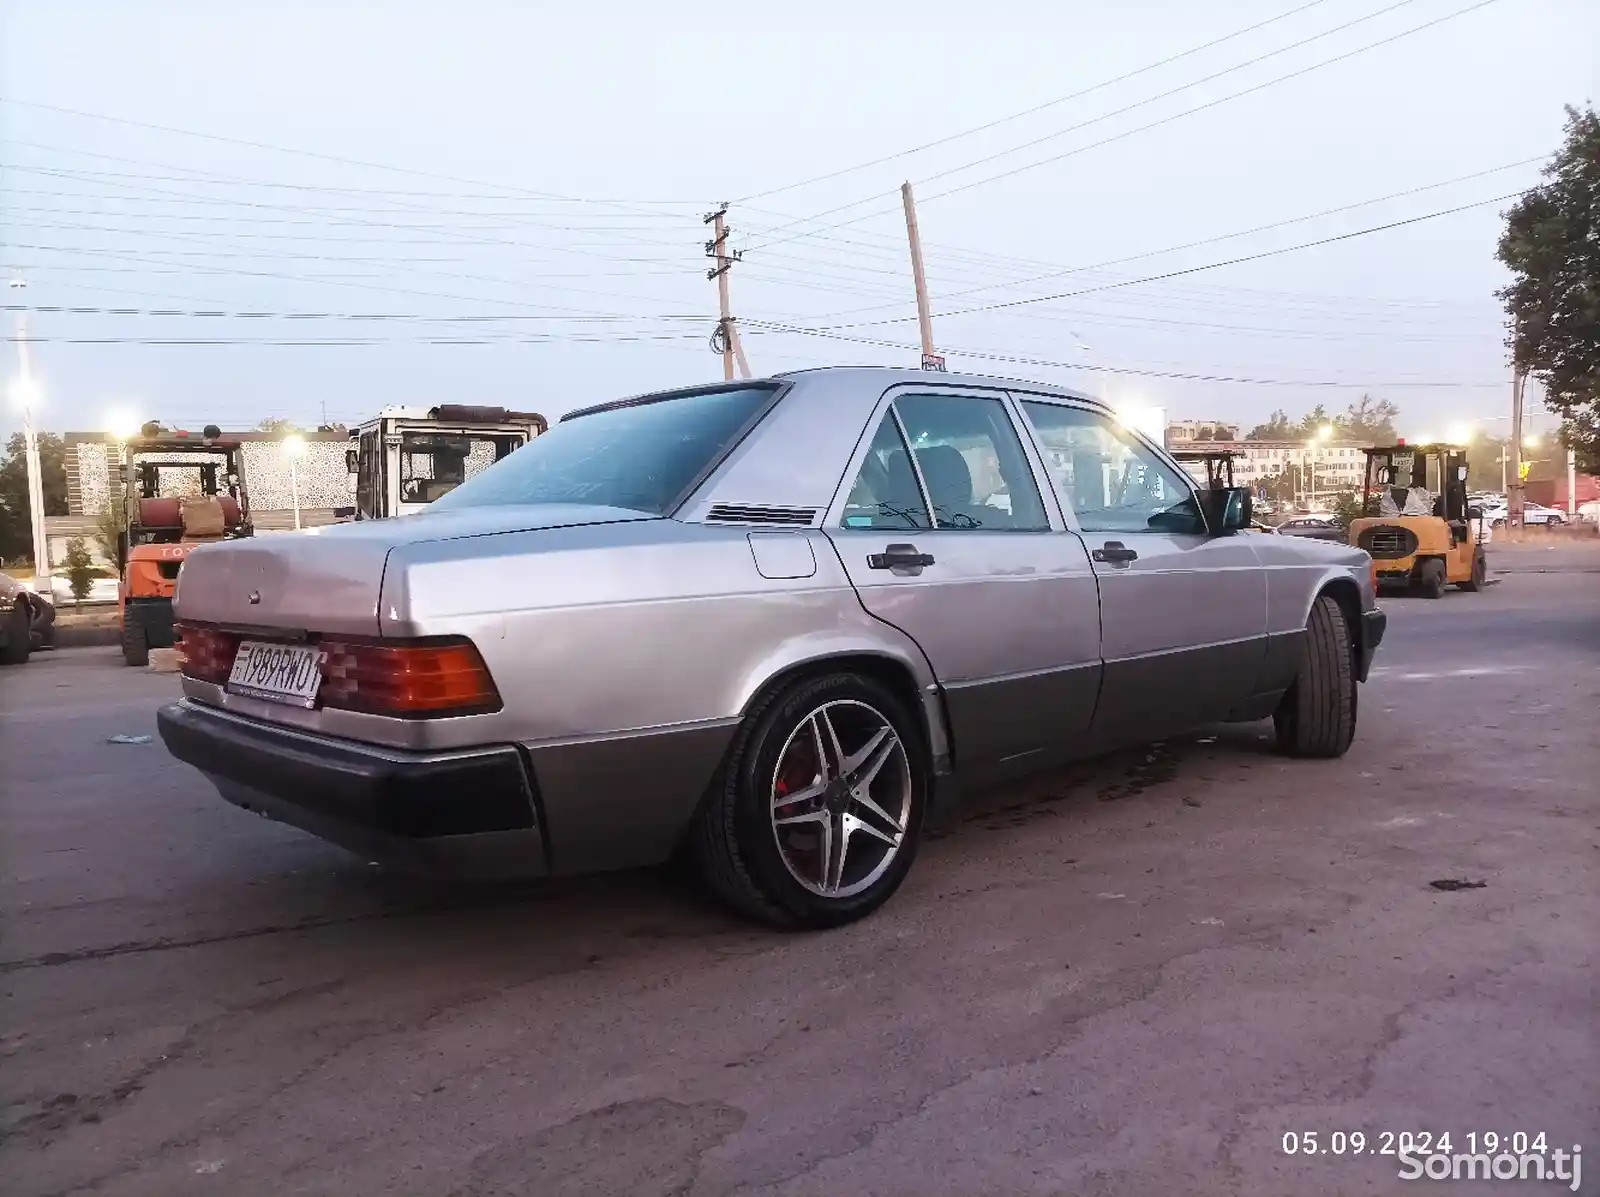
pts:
[330, 579]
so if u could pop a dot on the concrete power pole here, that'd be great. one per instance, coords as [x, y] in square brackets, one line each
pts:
[930, 357]
[727, 337]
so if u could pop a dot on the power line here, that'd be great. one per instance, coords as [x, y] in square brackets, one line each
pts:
[1270, 253]
[1260, 228]
[344, 161]
[1077, 95]
[257, 314]
[1126, 133]
[1016, 359]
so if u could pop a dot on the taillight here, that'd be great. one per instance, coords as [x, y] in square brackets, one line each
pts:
[447, 678]
[205, 654]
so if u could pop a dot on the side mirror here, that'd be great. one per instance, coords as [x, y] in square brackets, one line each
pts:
[1226, 510]
[352, 461]
[1474, 513]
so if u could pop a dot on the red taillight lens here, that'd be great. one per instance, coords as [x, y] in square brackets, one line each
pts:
[407, 679]
[206, 654]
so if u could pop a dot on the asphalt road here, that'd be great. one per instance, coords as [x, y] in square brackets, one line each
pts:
[1135, 978]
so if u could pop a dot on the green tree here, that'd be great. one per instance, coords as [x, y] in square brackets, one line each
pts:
[113, 522]
[16, 535]
[1205, 433]
[1345, 507]
[81, 571]
[278, 427]
[1369, 419]
[1277, 428]
[1311, 421]
[1551, 245]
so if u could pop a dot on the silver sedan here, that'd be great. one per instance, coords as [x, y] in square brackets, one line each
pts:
[766, 624]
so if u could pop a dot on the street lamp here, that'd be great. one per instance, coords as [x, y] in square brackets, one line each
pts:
[25, 396]
[122, 425]
[294, 448]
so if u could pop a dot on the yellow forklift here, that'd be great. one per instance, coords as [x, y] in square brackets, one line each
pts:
[1416, 523]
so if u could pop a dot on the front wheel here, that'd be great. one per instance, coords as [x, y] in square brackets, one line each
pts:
[815, 819]
[1317, 717]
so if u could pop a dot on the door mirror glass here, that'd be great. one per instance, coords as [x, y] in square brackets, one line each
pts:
[1474, 512]
[352, 460]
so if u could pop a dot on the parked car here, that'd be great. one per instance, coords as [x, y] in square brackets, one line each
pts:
[1538, 513]
[765, 623]
[27, 621]
[1317, 527]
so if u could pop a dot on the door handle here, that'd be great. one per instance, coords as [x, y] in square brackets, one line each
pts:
[899, 556]
[1115, 552]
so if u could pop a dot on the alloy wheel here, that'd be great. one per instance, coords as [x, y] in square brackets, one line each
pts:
[841, 798]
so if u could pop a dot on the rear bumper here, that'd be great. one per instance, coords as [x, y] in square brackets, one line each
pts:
[154, 615]
[1373, 625]
[461, 813]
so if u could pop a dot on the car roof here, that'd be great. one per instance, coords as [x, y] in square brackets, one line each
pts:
[890, 376]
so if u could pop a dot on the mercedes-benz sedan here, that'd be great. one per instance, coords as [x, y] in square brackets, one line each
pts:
[767, 624]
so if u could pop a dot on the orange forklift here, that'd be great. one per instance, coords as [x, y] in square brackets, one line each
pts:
[179, 490]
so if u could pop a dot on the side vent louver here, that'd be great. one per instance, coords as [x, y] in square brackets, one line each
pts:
[755, 513]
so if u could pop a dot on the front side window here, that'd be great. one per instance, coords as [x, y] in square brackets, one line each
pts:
[1108, 477]
[640, 456]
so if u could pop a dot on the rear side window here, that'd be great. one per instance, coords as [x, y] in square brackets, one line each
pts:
[640, 457]
[963, 456]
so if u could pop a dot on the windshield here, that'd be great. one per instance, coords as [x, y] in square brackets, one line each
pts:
[641, 457]
[433, 464]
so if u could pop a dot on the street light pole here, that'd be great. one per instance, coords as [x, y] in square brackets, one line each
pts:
[293, 446]
[26, 396]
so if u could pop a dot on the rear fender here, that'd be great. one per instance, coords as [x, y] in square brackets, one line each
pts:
[814, 651]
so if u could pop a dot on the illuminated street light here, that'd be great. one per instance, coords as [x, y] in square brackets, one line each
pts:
[1530, 442]
[25, 394]
[1325, 432]
[294, 448]
[1460, 434]
[123, 425]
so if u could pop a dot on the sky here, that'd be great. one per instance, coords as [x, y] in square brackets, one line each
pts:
[518, 190]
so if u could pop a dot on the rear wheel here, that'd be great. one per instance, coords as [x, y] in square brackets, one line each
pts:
[1480, 573]
[19, 641]
[1317, 717]
[816, 817]
[135, 644]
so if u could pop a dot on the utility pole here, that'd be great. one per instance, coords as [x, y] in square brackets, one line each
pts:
[27, 397]
[1514, 492]
[930, 358]
[1572, 484]
[726, 339]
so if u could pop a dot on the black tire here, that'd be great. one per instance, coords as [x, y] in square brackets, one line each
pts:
[135, 644]
[19, 640]
[734, 843]
[1317, 717]
[1480, 574]
[1433, 578]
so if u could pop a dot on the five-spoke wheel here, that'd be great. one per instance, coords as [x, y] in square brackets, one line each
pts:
[816, 818]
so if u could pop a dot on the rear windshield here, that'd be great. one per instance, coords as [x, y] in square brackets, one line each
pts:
[641, 457]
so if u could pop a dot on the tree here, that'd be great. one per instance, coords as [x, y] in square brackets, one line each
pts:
[1205, 433]
[1314, 419]
[1346, 506]
[1551, 245]
[80, 568]
[113, 522]
[1277, 428]
[16, 534]
[278, 427]
[1369, 419]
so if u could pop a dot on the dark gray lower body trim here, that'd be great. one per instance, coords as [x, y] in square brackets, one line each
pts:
[1036, 715]
[1160, 694]
[625, 801]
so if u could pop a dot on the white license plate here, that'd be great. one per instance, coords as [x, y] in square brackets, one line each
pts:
[286, 673]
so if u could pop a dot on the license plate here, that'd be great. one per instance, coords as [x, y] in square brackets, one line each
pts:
[286, 673]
